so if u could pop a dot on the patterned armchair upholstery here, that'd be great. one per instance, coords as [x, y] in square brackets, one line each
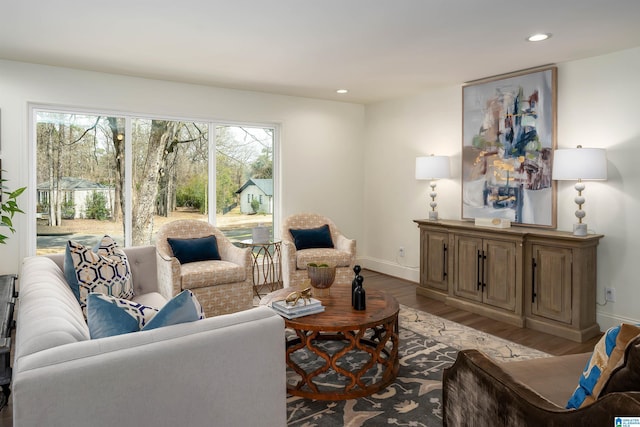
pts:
[221, 287]
[294, 262]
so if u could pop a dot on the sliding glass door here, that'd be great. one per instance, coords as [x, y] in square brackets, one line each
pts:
[126, 176]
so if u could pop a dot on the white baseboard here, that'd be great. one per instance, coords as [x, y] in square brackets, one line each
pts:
[607, 320]
[391, 268]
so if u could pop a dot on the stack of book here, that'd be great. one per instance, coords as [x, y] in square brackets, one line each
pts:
[291, 311]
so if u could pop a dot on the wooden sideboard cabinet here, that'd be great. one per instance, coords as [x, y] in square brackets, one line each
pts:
[488, 270]
[561, 285]
[535, 278]
[434, 262]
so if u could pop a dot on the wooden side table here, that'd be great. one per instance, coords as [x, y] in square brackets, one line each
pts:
[372, 333]
[267, 267]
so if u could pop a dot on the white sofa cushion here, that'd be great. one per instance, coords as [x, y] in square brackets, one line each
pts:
[151, 299]
[49, 314]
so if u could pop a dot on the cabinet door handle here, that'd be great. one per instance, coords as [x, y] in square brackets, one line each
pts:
[533, 280]
[479, 270]
[444, 261]
[484, 266]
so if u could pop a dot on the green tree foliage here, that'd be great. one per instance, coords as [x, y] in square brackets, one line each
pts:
[228, 177]
[96, 206]
[255, 205]
[68, 210]
[262, 167]
[193, 193]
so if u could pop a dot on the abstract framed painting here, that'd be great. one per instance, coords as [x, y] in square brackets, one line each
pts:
[508, 138]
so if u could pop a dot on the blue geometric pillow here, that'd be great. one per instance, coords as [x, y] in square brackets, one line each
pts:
[108, 316]
[105, 270]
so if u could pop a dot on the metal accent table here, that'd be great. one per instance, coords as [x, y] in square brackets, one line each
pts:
[267, 266]
[8, 297]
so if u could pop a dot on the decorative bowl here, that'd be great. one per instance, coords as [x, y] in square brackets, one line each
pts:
[321, 275]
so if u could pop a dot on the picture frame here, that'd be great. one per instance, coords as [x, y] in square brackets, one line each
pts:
[509, 130]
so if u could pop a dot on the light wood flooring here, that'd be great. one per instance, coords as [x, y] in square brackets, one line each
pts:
[405, 292]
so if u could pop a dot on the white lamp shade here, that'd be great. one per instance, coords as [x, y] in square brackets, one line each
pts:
[579, 163]
[432, 167]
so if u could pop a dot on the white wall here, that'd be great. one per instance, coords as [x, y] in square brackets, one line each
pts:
[356, 164]
[320, 141]
[396, 133]
[597, 107]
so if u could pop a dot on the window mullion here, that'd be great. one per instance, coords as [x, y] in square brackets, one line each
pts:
[128, 181]
[211, 188]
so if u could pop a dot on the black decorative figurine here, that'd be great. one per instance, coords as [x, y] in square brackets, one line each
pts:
[354, 282]
[359, 295]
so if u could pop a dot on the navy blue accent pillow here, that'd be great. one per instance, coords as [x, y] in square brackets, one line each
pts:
[310, 238]
[196, 249]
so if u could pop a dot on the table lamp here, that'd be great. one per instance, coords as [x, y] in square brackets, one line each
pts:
[579, 164]
[432, 168]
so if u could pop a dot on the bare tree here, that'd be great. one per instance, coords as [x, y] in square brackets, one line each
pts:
[54, 140]
[118, 140]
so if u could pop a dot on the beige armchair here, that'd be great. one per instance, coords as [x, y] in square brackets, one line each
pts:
[294, 261]
[224, 286]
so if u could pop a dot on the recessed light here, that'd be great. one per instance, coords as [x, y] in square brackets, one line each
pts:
[538, 37]
[342, 91]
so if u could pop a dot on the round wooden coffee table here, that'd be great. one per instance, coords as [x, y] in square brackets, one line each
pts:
[342, 353]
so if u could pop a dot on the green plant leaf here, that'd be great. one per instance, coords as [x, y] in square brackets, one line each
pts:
[9, 207]
[17, 192]
[6, 221]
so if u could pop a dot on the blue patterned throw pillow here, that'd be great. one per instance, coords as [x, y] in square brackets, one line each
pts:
[182, 308]
[108, 316]
[604, 359]
[104, 269]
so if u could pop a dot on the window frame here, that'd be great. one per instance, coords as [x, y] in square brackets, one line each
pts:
[128, 116]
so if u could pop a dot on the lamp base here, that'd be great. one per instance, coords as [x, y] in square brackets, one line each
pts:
[433, 215]
[580, 229]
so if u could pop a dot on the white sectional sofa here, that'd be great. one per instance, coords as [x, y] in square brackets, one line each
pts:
[227, 370]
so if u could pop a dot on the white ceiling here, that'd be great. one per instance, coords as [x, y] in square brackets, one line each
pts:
[378, 49]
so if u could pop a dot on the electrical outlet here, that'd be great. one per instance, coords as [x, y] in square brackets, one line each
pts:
[401, 251]
[610, 294]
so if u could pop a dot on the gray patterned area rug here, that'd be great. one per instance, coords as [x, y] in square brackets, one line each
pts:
[428, 344]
